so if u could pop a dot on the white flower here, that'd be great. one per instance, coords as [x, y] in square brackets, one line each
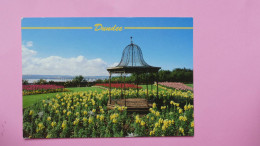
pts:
[40, 114]
[131, 135]
[91, 113]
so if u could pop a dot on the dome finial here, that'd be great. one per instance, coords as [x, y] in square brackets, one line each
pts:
[131, 39]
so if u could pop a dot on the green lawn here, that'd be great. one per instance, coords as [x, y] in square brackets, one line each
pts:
[149, 87]
[191, 85]
[77, 89]
[29, 100]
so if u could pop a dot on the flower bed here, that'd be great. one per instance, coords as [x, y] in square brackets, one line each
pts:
[119, 85]
[85, 114]
[178, 86]
[41, 89]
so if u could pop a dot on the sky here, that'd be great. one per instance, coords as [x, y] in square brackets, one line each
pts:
[88, 52]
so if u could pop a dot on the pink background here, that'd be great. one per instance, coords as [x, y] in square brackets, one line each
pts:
[226, 66]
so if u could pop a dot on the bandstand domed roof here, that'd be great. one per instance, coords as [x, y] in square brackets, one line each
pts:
[132, 56]
[132, 61]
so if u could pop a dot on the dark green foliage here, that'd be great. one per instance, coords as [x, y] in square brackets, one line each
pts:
[41, 82]
[177, 75]
[78, 79]
[25, 82]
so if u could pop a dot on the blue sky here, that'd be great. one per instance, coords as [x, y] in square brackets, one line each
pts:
[169, 49]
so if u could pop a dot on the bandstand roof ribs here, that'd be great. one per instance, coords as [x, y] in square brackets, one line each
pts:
[132, 61]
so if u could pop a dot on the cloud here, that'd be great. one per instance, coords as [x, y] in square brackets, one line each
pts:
[57, 65]
[29, 44]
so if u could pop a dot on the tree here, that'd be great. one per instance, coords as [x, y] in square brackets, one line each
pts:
[41, 82]
[25, 82]
[78, 79]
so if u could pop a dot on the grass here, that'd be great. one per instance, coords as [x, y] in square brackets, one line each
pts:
[149, 87]
[191, 85]
[29, 100]
[77, 89]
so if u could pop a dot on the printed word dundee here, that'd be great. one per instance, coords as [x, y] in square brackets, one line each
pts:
[99, 27]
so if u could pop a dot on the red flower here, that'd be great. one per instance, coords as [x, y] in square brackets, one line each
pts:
[41, 87]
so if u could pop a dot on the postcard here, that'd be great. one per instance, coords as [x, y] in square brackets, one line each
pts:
[107, 77]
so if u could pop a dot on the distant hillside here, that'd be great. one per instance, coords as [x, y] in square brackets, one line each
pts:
[25, 77]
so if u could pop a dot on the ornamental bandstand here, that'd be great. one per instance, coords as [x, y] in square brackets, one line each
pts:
[132, 62]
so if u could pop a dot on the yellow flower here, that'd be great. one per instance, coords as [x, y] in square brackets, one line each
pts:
[76, 121]
[57, 111]
[120, 108]
[113, 116]
[102, 111]
[43, 101]
[152, 132]
[68, 113]
[31, 112]
[189, 106]
[157, 114]
[64, 111]
[181, 130]
[53, 124]
[142, 123]
[163, 107]
[166, 123]
[171, 102]
[192, 124]
[102, 117]
[114, 120]
[176, 104]
[93, 102]
[180, 110]
[160, 120]
[163, 127]
[85, 119]
[185, 107]
[137, 119]
[85, 112]
[156, 125]
[90, 120]
[40, 127]
[77, 113]
[49, 118]
[93, 110]
[154, 105]
[64, 124]
[183, 118]
[97, 116]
